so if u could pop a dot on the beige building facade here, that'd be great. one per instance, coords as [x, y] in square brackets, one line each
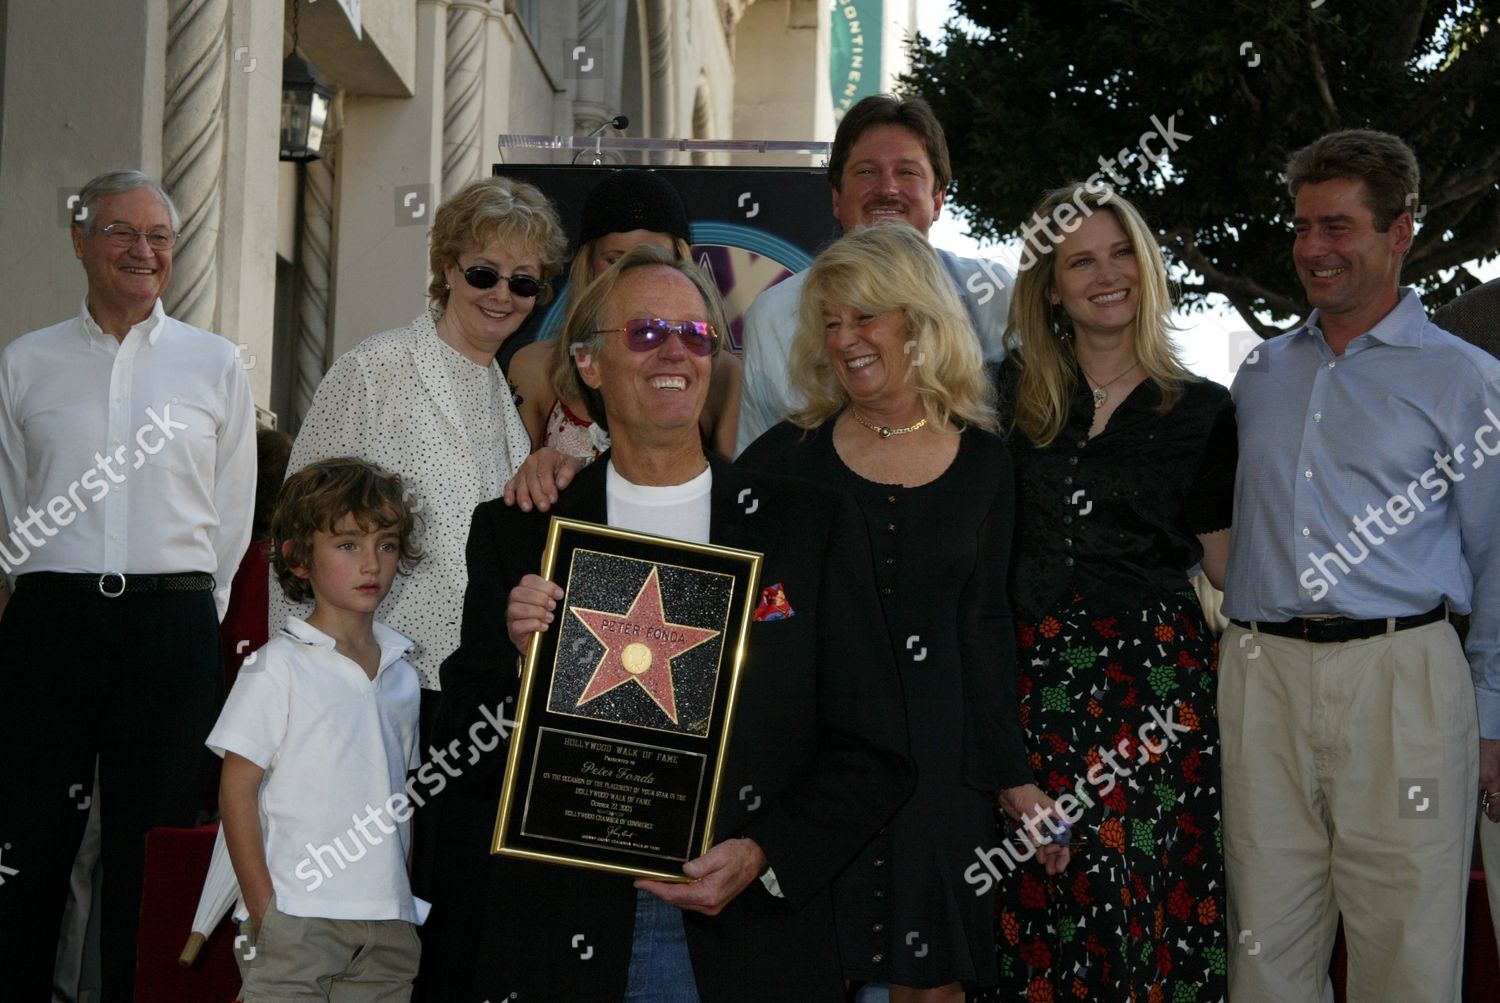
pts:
[296, 263]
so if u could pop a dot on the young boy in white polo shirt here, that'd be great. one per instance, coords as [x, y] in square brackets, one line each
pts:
[317, 737]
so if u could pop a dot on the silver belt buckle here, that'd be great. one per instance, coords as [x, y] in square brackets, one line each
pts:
[106, 593]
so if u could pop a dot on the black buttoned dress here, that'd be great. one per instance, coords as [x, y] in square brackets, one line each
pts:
[905, 912]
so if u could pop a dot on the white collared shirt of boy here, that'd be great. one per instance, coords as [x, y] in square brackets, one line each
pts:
[133, 456]
[336, 747]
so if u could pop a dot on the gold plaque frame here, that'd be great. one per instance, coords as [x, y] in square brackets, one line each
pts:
[623, 722]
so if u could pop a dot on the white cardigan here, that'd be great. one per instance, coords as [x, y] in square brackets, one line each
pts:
[389, 400]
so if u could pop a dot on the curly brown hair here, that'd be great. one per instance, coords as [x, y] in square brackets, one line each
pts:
[316, 497]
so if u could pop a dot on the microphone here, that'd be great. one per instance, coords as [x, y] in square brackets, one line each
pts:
[619, 123]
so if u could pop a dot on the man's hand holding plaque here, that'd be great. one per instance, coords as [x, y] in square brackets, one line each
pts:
[718, 876]
[529, 610]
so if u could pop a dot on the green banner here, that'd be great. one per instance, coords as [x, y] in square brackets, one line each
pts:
[854, 53]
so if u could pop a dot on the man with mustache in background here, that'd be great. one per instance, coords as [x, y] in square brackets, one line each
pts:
[889, 162]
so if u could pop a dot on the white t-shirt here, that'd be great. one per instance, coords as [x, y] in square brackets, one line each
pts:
[336, 746]
[679, 511]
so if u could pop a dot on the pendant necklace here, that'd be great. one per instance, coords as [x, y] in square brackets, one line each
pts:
[885, 431]
[1099, 395]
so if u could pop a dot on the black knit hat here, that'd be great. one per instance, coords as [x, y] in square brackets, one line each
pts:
[634, 200]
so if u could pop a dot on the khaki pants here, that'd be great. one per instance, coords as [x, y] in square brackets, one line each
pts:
[1350, 780]
[340, 960]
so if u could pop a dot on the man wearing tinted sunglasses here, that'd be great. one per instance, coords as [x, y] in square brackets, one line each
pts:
[819, 733]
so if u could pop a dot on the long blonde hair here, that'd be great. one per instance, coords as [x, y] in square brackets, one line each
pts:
[890, 266]
[561, 370]
[1043, 350]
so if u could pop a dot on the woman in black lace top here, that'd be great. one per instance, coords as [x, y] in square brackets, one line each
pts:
[900, 414]
[1125, 472]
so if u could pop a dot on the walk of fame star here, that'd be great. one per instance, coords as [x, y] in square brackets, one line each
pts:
[639, 646]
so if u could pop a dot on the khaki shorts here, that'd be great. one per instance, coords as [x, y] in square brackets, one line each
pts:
[339, 960]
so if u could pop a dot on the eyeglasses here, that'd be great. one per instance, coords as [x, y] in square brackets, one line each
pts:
[647, 333]
[485, 277]
[125, 235]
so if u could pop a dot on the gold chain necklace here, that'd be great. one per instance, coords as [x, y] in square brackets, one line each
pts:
[885, 431]
[1099, 395]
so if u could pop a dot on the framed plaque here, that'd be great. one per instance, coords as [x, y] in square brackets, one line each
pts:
[623, 722]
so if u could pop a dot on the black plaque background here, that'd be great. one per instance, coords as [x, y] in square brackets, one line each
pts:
[688, 598]
[532, 714]
[669, 831]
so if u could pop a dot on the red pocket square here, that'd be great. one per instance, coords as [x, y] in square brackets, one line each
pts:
[773, 604]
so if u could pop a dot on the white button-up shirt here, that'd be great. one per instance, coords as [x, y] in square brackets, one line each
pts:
[135, 456]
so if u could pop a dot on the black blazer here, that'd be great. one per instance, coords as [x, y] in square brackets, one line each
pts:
[819, 745]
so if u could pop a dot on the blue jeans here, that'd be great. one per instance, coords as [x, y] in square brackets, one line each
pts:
[660, 969]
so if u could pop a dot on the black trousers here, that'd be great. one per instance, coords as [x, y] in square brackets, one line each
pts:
[136, 681]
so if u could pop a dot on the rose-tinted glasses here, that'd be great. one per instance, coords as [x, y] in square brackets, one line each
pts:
[646, 333]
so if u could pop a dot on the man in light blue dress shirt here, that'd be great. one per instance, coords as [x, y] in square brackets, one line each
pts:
[1356, 734]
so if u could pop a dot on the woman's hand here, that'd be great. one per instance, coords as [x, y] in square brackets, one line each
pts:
[538, 480]
[529, 609]
[1028, 805]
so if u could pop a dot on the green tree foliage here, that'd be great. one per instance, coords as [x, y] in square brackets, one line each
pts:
[1033, 94]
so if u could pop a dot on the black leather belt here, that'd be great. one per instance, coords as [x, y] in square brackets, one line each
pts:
[113, 584]
[1332, 629]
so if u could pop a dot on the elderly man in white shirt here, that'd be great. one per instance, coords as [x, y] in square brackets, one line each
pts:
[126, 489]
[889, 162]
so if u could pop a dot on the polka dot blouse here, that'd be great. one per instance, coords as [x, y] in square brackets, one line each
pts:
[409, 402]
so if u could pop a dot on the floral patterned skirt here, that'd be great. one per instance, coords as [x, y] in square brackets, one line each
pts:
[1118, 709]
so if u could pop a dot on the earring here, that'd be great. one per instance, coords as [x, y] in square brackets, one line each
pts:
[1062, 325]
[447, 286]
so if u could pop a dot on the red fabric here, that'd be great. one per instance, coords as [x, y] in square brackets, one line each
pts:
[244, 627]
[243, 631]
[1481, 960]
[176, 861]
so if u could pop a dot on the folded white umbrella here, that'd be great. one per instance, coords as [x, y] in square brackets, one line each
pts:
[220, 892]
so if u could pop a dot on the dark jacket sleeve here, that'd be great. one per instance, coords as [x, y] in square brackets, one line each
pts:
[769, 452]
[860, 771]
[482, 671]
[994, 746]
